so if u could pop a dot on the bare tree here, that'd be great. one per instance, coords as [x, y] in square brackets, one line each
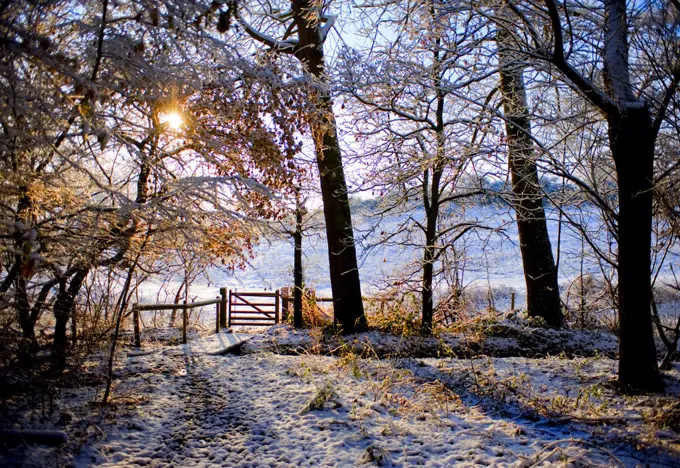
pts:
[303, 31]
[615, 76]
[416, 140]
[300, 223]
[540, 271]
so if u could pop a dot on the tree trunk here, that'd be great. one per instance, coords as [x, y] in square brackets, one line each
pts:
[297, 269]
[431, 196]
[122, 306]
[432, 213]
[21, 270]
[28, 343]
[632, 145]
[63, 308]
[344, 271]
[173, 314]
[540, 273]
[632, 137]
[428, 273]
[631, 140]
[28, 317]
[61, 314]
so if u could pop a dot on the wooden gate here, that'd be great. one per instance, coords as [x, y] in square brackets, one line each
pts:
[253, 308]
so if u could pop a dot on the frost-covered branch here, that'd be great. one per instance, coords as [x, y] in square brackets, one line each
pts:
[287, 46]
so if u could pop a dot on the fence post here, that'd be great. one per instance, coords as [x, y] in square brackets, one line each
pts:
[217, 315]
[276, 306]
[184, 323]
[223, 308]
[135, 321]
[512, 301]
[228, 320]
[285, 303]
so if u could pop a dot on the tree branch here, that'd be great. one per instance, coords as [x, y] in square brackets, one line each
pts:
[288, 47]
[663, 108]
[585, 86]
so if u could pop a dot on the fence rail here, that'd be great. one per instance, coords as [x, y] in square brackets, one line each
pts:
[256, 312]
[191, 305]
[219, 301]
[233, 307]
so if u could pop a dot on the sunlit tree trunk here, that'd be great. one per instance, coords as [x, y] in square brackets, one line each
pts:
[297, 268]
[540, 272]
[344, 271]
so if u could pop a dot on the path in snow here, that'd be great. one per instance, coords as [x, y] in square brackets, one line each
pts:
[193, 405]
[244, 411]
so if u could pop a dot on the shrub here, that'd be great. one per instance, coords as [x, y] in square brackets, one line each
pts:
[394, 312]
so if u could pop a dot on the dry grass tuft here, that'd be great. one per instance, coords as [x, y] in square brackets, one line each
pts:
[377, 456]
[317, 402]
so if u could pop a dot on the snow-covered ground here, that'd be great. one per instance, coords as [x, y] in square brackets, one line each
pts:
[509, 335]
[193, 406]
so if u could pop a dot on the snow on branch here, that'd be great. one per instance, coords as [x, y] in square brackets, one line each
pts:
[214, 181]
[279, 46]
[580, 82]
[329, 21]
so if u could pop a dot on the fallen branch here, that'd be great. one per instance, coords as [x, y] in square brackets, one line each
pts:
[588, 420]
[541, 457]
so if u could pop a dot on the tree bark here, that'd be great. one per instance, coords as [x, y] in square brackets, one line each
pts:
[344, 271]
[24, 310]
[431, 203]
[28, 343]
[429, 255]
[632, 138]
[431, 195]
[22, 270]
[297, 268]
[540, 273]
[632, 144]
[63, 308]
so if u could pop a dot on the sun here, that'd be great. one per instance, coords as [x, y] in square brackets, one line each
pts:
[174, 120]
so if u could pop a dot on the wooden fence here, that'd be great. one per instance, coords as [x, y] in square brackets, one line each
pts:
[233, 307]
[254, 308]
[220, 313]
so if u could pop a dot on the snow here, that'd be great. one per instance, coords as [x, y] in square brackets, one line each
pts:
[218, 343]
[507, 335]
[190, 405]
[490, 260]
